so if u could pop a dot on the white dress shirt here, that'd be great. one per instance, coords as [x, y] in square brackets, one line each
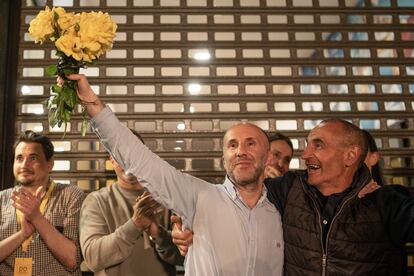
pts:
[229, 237]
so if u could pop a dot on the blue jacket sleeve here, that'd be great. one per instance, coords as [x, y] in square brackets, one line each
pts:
[397, 209]
[278, 190]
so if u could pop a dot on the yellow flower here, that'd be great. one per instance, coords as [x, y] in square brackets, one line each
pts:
[79, 38]
[87, 35]
[41, 28]
[69, 44]
[96, 32]
[59, 10]
[65, 19]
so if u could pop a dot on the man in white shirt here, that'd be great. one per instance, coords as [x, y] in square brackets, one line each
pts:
[238, 231]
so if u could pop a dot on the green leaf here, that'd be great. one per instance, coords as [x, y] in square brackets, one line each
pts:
[65, 115]
[73, 99]
[60, 54]
[56, 88]
[54, 100]
[55, 16]
[68, 71]
[64, 132]
[53, 120]
[67, 98]
[51, 70]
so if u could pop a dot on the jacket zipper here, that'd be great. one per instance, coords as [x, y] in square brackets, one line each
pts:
[324, 257]
[325, 252]
[323, 264]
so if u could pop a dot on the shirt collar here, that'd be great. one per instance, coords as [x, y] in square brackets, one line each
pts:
[234, 194]
[230, 189]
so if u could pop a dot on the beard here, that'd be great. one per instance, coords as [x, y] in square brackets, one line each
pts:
[246, 180]
[25, 182]
[25, 177]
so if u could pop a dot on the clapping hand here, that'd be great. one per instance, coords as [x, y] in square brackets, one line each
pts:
[146, 210]
[27, 203]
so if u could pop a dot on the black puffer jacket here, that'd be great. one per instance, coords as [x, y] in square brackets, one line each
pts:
[357, 242]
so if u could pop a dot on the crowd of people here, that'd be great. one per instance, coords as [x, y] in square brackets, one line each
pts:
[329, 218]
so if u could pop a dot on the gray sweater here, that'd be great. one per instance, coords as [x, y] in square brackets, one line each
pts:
[110, 242]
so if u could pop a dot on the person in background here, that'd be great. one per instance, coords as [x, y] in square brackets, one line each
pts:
[281, 149]
[39, 217]
[372, 162]
[123, 231]
[373, 158]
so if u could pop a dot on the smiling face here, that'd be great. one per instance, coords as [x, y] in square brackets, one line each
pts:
[330, 161]
[281, 155]
[245, 154]
[30, 167]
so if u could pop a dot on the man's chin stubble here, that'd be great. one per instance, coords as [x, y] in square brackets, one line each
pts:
[25, 183]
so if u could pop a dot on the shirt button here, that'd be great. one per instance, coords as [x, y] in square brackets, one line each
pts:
[325, 222]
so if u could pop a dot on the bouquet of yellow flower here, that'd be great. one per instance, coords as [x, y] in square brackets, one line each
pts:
[79, 38]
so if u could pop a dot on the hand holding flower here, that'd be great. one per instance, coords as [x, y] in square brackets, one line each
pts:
[86, 95]
[80, 38]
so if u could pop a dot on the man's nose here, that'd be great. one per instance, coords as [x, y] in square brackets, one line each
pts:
[306, 153]
[25, 163]
[241, 150]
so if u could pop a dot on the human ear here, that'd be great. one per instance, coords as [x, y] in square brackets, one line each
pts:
[352, 155]
[50, 163]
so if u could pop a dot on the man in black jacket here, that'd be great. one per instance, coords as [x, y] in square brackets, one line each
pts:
[327, 228]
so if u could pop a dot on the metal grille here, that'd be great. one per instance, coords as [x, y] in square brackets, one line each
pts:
[181, 72]
[282, 64]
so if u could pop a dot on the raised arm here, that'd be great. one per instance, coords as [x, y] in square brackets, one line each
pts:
[85, 93]
[173, 189]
